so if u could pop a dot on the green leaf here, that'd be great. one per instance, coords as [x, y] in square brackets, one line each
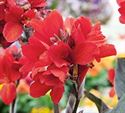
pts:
[120, 77]
[99, 81]
[120, 107]
[54, 4]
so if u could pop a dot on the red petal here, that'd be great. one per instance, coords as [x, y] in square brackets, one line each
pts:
[84, 53]
[60, 59]
[8, 93]
[122, 19]
[12, 31]
[107, 50]
[30, 14]
[33, 50]
[96, 35]
[80, 30]
[82, 73]
[37, 89]
[37, 3]
[84, 24]
[69, 22]
[11, 3]
[27, 66]
[2, 13]
[112, 92]
[14, 14]
[61, 73]
[57, 93]
[50, 80]
[111, 76]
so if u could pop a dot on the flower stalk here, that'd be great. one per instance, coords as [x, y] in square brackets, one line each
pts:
[56, 108]
[76, 88]
[13, 106]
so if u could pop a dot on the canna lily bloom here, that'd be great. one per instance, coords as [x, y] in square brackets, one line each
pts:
[15, 18]
[44, 73]
[9, 74]
[64, 48]
[88, 42]
[121, 10]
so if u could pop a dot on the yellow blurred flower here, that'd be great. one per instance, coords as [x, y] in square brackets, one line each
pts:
[1, 86]
[41, 110]
[106, 63]
[121, 55]
[111, 102]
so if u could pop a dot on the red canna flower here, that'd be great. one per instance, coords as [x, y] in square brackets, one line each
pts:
[56, 47]
[121, 10]
[35, 60]
[88, 43]
[9, 74]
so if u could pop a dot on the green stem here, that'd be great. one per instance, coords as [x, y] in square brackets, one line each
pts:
[56, 108]
[13, 107]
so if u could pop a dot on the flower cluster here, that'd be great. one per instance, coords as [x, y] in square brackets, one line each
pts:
[16, 15]
[59, 50]
[55, 52]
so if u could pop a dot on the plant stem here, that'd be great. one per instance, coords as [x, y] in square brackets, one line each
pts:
[76, 105]
[70, 105]
[76, 89]
[56, 108]
[13, 107]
